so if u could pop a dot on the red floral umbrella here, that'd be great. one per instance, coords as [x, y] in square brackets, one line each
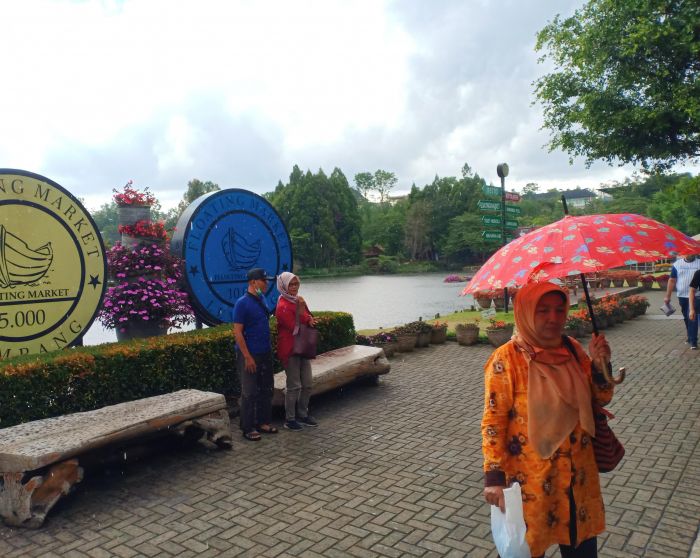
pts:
[576, 245]
[581, 244]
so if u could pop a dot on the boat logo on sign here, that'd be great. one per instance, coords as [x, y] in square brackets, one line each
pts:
[222, 235]
[52, 265]
[19, 264]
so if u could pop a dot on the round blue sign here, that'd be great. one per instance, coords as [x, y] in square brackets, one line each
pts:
[221, 235]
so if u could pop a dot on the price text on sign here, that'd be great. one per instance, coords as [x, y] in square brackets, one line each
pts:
[512, 197]
[513, 209]
[485, 205]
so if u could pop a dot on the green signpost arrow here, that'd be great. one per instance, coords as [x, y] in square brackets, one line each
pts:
[510, 224]
[512, 209]
[491, 190]
[485, 205]
[491, 235]
[488, 220]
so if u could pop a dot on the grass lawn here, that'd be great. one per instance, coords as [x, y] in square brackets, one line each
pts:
[462, 317]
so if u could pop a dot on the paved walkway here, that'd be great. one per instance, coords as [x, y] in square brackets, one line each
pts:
[393, 470]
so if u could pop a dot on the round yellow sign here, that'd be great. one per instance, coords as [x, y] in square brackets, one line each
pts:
[52, 265]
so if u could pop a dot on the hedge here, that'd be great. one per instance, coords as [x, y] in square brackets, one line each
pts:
[84, 378]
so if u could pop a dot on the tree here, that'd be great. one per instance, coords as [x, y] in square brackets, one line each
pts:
[321, 215]
[195, 189]
[626, 86]
[381, 182]
[679, 205]
[107, 222]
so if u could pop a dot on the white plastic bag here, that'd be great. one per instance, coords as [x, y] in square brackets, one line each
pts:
[508, 528]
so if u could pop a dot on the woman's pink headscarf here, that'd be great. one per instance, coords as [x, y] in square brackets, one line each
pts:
[283, 280]
[558, 391]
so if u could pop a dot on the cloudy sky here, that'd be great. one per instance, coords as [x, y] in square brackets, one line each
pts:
[94, 93]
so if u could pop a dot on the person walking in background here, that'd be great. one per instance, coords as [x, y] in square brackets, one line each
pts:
[251, 329]
[297, 368]
[694, 304]
[681, 273]
[538, 423]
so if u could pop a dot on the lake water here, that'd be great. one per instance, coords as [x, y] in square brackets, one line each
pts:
[373, 300]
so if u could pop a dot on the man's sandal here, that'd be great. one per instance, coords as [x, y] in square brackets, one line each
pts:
[253, 436]
[269, 430]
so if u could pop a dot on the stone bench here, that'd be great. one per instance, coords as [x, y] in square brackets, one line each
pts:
[40, 460]
[338, 367]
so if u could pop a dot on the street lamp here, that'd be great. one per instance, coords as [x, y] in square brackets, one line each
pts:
[502, 172]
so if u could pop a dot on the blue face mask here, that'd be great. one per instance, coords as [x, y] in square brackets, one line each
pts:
[258, 292]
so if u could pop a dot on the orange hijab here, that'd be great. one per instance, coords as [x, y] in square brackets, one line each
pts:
[559, 393]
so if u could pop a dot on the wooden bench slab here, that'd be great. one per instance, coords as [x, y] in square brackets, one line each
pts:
[338, 367]
[49, 449]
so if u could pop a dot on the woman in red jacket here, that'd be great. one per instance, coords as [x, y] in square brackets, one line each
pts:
[297, 369]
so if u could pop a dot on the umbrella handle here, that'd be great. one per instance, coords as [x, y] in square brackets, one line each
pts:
[606, 369]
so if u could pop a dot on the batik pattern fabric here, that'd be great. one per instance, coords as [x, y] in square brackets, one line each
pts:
[545, 483]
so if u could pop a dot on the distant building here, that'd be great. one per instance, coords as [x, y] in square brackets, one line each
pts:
[577, 198]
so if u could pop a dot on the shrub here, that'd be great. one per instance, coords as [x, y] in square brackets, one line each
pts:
[34, 387]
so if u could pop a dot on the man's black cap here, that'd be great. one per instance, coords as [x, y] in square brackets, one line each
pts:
[258, 273]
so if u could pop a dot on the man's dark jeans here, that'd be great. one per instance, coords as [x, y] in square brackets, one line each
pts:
[690, 327]
[256, 391]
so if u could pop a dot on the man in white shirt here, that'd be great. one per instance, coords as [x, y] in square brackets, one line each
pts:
[694, 300]
[681, 274]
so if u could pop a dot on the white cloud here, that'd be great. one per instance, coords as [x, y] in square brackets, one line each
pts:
[97, 92]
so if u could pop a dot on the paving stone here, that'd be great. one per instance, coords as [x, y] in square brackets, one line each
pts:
[393, 470]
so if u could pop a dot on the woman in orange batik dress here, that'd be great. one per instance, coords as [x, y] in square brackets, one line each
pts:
[538, 423]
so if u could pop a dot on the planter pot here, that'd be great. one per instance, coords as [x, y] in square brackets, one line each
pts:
[572, 331]
[136, 242]
[619, 283]
[663, 284]
[423, 339]
[388, 348]
[484, 302]
[587, 328]
[582, 331]
[406, 342]
[467, 336]
[132, 214]
[605, 283]
[499, 303]
[139, 329]
[647, 285]
[498, 337]
[438, 336]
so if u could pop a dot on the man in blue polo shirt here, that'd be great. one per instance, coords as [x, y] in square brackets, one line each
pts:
[251, 329]
[681, 274]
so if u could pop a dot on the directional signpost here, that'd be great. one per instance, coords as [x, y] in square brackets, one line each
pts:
[491, 221]
[486, 205]
[512, 209]
[491, 235]
[491, 190]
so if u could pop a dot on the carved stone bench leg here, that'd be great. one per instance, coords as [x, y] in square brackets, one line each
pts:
[26, 504]
[216, 426]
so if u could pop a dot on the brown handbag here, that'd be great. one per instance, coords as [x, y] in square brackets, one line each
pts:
[305, 338]
[607, 449]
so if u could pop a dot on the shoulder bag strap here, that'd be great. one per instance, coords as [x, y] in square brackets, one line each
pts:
[260, 303]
